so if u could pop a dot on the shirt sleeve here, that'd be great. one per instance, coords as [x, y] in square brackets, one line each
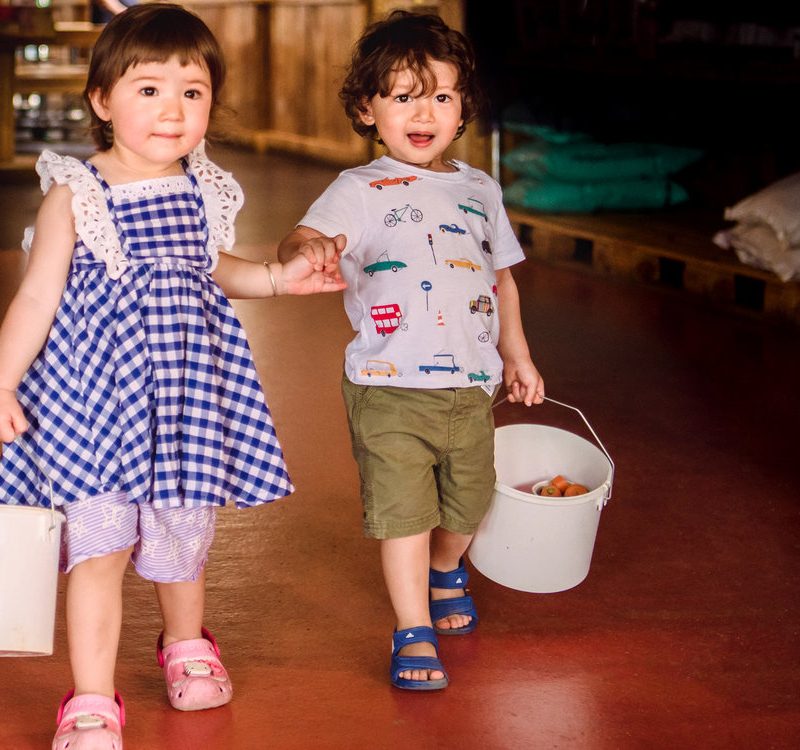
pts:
[338, 211]
[507, 250]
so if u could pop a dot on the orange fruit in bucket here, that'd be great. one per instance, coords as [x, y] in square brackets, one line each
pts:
[560, 482]
[550, 490]
[575, 489]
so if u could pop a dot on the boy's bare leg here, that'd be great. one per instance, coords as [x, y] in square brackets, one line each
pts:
[405, 570]
[447, 548]
[182, 608]
[94, 619]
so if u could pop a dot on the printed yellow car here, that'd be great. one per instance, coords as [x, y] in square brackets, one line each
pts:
[462, 263]
[379, 368]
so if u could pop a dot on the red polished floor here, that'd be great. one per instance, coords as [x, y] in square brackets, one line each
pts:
[686, 632]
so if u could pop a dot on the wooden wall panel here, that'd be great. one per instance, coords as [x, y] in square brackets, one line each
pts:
[286, 62]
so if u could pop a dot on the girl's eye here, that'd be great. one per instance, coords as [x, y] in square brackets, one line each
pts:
[402, 98]
[193, 94]
[443, 98]
[149, 91]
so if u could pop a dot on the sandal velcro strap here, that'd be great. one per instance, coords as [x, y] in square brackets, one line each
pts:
[421, 634]
[453, 579]
[461, 605]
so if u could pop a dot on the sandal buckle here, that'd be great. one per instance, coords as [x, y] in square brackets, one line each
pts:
[89, 721]
[196, 669]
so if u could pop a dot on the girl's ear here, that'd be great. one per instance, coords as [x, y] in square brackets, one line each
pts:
[365, 112]
[97, 100]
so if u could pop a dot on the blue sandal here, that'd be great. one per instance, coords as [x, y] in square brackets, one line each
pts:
[460, 605]
[402, 638]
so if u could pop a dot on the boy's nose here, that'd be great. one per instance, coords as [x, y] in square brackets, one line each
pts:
[424, 110]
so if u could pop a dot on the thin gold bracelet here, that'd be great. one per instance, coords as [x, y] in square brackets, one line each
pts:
[271, 279]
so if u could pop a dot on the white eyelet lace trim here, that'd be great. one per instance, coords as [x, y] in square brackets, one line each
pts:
[222, 197]
[92, 221]
[162, 186]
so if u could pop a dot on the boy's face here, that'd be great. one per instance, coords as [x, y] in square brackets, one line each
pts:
[417, 128]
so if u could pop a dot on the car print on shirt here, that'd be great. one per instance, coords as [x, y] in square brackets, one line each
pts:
[452, 228]
[379, 368]
[478, 377]
[481, 305]
[474, 206]
[442, 363]
[384, 263]
[389, 181]
[462, 263]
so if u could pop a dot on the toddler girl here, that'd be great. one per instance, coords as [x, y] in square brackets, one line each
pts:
[124, 375]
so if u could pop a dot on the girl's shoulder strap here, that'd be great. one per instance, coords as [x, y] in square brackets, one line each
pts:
[93, 222]
[222, 198]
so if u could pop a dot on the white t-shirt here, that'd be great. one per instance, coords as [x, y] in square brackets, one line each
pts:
[422, 249]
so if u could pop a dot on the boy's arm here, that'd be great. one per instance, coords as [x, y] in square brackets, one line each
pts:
[314, 245]
[522, 380]
[32, 310]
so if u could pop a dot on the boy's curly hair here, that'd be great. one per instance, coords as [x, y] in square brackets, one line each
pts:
[408, 40]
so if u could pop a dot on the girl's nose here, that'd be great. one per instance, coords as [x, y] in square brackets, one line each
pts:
[172, 108]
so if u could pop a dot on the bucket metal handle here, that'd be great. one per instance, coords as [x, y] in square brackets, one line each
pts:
[32, 455]
[594, 434]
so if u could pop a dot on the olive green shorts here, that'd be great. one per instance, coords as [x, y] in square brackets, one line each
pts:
[425, 457]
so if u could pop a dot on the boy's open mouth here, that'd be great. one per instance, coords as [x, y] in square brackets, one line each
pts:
[420, 139]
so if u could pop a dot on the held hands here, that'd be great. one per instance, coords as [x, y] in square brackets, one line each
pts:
[315, 268]
[12, 420]
[523, 383]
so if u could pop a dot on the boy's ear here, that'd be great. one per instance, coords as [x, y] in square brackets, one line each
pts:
[365, 112]
[97, 101]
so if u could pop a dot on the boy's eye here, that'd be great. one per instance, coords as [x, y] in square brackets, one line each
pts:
[148, 91]
[443, 98]
[403, 98]
[193, 94]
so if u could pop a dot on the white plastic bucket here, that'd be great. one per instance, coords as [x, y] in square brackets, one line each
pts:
[533, 543]
[29, 548]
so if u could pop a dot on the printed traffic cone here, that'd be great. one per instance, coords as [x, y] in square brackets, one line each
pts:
[439, 319]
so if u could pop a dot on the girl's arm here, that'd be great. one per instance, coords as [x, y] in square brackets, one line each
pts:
[32, 310]
[246, 279]
[522, 380]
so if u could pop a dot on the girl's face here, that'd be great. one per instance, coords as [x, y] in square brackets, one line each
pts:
[417, 128]
[158, 111]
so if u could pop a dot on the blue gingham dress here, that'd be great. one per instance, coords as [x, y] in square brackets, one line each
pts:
[146, 383]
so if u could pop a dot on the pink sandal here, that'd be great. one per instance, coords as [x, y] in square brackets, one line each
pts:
[89, 722]
[195, 677]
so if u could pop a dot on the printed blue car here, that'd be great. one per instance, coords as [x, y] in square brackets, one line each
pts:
[452, 228]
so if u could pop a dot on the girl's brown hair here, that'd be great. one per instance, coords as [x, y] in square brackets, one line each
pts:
[408, 40]
[149, 33]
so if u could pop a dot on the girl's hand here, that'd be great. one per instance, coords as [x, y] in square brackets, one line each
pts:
[523, 383]
[12, 420]
[300, 275]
